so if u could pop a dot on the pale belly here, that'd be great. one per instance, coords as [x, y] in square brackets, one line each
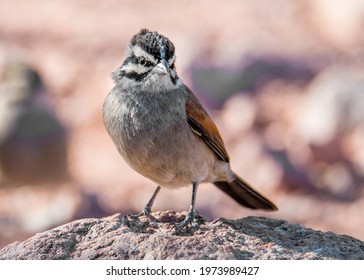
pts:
[173, 157]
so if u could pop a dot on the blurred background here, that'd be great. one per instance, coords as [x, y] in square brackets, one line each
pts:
[284, 81]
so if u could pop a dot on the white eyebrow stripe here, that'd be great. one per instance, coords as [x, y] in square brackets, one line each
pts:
[172, 60]
[138, 51]
[131, 67]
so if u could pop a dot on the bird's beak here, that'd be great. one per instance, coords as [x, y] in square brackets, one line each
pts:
[161, 68]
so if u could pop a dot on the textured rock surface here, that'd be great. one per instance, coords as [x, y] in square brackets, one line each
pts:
[121, 237]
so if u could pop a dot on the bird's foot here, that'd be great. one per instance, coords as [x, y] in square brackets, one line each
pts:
[145, 212]
[190, 219]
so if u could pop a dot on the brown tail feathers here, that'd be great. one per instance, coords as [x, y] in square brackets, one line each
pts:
[245, 195]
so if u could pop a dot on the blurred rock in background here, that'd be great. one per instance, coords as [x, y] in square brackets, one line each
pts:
[215, 85]
[283, 80]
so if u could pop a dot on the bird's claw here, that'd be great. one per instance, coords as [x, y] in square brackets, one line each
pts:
[189, 220]
[145, 212]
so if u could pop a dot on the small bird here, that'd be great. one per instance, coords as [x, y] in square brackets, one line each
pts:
[162, 131]
[33, 144]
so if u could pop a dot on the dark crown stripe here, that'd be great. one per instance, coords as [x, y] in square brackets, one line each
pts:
[155, 44]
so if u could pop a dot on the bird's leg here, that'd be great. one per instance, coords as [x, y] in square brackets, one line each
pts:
[148, 208]
[190, 217]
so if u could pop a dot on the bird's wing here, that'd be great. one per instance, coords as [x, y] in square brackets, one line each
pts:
[203, 126]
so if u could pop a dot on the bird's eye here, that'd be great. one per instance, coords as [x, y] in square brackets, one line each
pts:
[142, 61]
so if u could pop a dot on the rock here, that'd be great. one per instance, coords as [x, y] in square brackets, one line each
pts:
[125, 237]
[333, 105]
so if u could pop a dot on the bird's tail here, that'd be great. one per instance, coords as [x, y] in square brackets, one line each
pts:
[245, 195]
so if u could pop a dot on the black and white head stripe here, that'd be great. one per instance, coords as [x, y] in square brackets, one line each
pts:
[146, 50]
[155, 44]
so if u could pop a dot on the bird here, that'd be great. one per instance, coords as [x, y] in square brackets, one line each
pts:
[33, 142]
[162, 131]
